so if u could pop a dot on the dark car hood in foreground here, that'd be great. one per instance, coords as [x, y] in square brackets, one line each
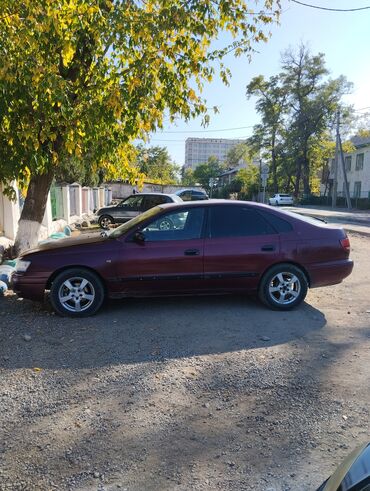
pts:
[68, 242]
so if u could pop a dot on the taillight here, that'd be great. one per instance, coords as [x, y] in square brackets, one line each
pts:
[345, 244]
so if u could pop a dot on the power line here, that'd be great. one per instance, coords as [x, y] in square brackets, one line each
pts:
[184, 139]
[361, 109]
[210, 131]
[330, 9]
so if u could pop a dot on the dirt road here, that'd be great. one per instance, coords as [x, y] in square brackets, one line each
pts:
[186, 394]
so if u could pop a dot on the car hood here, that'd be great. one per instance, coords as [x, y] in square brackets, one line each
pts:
[68, 242]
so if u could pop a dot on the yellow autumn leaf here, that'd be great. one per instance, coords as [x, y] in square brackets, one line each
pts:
[68, 52]
[192, 95]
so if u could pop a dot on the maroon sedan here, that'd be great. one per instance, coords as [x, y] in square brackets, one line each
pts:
[209, 247]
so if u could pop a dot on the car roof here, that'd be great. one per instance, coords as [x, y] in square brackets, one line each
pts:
[210, 202]
[190, 189]
[152, 194]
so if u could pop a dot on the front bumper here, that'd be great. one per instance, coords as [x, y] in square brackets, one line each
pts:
[31, 287]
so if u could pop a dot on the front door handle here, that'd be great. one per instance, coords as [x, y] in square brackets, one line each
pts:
[268, 247]
[192, 252]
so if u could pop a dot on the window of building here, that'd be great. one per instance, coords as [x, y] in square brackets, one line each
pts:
[359, 161]
[348, 163]
[357, 189]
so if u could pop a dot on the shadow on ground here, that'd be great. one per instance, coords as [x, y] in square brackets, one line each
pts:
[141, 330]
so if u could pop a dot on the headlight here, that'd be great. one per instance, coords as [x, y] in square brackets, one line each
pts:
[22, 266]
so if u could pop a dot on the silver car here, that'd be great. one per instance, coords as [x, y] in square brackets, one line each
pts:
[132, 206]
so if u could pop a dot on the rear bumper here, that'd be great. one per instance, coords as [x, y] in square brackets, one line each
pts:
[324, 274]
[32, 288]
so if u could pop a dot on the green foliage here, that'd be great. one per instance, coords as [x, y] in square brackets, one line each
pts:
[205, 173]
[156, 164]
[187, 177]
[249, 181]
[240, 153]
[81, 79]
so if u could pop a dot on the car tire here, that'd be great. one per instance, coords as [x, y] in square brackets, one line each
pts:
[105, 221]
[77, 292]
[165, 224]
[283, 287]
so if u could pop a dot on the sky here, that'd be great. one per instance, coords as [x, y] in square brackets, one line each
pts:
[344, 38]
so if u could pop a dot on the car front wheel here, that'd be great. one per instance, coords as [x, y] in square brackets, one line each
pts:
[165, 224]
[105, 221]
[283, 287]
[77, 292]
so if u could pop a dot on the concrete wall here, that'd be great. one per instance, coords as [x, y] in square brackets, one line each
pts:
[122, 190]
[66, 204]
[9, 214]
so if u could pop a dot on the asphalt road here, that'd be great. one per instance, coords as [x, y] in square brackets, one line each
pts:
[213, 393]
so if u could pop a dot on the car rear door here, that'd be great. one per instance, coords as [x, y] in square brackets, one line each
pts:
[169, 260]
[152, 200]
[240, 244]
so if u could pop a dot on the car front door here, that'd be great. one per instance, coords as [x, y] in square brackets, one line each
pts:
[240, 244]
[129, 208]
[167, 260]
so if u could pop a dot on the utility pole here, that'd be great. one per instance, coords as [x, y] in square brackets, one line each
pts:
[346, 187]
[335, 177]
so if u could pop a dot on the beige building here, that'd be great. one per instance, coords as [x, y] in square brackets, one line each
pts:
[198, 150]
[357, 165]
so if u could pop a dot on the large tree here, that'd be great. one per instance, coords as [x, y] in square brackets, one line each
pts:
[268, 135]
[83, 78]
[313, 100]
[297, 109]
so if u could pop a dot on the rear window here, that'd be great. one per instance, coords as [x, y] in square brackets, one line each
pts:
[284, 195]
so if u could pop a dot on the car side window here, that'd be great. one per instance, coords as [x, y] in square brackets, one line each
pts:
[279, 224]
[176, 225]
[185, 195]
[152, 201]
[133, 203]
[237, 221]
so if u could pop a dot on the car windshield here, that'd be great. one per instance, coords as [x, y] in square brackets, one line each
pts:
[125, 227]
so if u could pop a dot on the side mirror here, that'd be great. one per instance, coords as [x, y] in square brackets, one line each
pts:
[352, 474]
[139, 237]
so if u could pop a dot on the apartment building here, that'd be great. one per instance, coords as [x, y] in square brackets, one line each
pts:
[357, 166]
[198, 150]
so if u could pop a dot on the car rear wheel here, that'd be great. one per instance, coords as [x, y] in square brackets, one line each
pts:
[283, 287]
[105, 221]
[77, 292]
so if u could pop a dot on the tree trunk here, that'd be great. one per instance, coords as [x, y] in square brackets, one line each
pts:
[33, 212]
[273, 164]
[306, 177]
[297, 178]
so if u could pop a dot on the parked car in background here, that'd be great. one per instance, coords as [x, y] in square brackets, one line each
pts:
[281, 199]
[191, 194]
[132, 206]
[213, 247]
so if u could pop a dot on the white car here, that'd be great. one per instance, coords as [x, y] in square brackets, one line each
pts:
[281, 199]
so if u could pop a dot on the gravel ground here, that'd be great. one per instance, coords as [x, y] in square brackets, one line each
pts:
[213, 393]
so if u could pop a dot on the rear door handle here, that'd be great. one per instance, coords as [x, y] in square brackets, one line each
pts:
[192, 252]
[268, 247]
